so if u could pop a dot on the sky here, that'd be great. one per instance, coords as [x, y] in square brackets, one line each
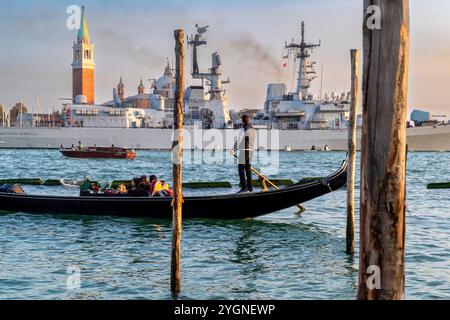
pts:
[134, 39]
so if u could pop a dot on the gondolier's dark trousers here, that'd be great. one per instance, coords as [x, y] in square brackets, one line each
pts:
[245, 169]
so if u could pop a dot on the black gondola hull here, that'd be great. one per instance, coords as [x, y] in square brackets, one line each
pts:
[231, 206]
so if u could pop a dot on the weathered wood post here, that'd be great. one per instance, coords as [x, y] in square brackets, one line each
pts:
[177, 156]
[383, 170]
[350, 239]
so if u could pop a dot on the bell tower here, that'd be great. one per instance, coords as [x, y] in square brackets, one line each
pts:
[121, 90]
[141, 87]
[83, 63]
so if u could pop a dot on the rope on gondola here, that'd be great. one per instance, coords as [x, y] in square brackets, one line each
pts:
[326, 183]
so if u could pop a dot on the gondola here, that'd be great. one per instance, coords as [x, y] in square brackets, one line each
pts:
[228, 206]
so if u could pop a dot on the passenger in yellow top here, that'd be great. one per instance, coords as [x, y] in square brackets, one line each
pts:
[159, 188]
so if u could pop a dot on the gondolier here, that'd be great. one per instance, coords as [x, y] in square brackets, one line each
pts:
[243, 149]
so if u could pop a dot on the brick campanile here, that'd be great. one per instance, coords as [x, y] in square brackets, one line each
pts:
[83, 64]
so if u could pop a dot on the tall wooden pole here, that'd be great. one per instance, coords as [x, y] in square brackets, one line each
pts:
[383, 169]
[350, 247]
[177, 156]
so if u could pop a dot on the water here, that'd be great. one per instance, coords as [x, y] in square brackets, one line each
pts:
[278, 256]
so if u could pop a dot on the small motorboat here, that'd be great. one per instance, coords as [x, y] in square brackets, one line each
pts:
[99, 153]
[226, 206]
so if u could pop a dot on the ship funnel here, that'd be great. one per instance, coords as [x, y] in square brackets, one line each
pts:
[216, 61]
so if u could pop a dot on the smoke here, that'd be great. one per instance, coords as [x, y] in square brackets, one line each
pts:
[251, 66]
[255, 55]
[123, 46]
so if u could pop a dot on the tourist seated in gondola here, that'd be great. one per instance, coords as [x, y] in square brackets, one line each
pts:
[137, 188]
[160, 188]
[107, 190]
[142, 189]
[88, 187]
[95, 188]
[146, 181]
[132, 186]
[121, 189]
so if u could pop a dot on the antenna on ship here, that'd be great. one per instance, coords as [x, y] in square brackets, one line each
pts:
[321, 80]
[21, 113]
[3, 115]
[306, 72]
[212, 78]
[37, 113]
[48, 113]
[196, 41]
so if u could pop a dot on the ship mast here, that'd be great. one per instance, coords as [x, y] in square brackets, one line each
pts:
[306, 72]
[214, 74]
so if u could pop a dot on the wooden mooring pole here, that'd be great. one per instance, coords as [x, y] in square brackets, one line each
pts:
[177, 157]
[350, 239]
[383, 170]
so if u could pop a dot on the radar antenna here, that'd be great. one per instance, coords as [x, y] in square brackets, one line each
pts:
[306, 71]
[201, 30]
[213, 77]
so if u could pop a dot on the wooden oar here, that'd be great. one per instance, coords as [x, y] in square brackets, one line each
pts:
[263, 178]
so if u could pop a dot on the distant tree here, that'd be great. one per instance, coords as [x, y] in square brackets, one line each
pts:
[18, 109]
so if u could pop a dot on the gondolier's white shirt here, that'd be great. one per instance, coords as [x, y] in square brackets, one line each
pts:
[239, 143]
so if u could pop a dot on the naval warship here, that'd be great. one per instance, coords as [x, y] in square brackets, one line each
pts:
[291, 120]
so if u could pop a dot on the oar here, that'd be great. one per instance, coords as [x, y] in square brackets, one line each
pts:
[259, 174]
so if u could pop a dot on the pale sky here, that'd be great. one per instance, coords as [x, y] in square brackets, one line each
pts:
[134, 38]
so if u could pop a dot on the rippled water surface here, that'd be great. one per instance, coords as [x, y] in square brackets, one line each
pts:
[278, 256]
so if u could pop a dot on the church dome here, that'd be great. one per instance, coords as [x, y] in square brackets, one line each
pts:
[165, 82]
